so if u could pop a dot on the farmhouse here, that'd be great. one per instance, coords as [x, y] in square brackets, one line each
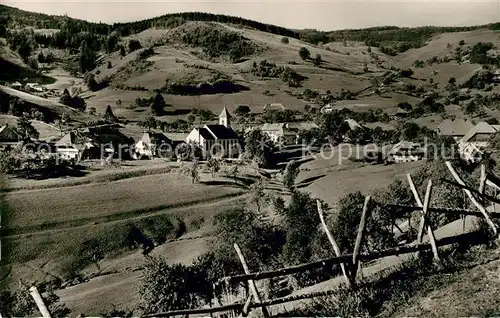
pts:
[476, 140]
[456, 128]
[279, 133]
[327, 109]
[274, 106]
[16, 85]
[153, 144]
[286, 133]
[218, 139]
[496, 76]
[405, 151]
[34, 87]
[8, 138]
[73, 146]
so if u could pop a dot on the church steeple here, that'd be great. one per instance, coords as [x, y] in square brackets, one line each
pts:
[225, 118]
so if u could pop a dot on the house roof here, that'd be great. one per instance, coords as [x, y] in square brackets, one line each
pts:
[277, 106]
[302, 126]
[456, 127]
[272, 126]
[281, 128]
[159, 138]
[480, 128]
[221, 132]
[8, 134]
[353, 124]
[71, 139]
[206, 134]
[225, 113]
[404, 146]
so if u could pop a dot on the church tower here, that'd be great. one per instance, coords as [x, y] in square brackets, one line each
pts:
[225, 118]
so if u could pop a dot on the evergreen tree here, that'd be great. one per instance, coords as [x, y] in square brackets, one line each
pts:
[158, 106]
[109, 116]
[25, 129]
[65, 98]
[87, 57]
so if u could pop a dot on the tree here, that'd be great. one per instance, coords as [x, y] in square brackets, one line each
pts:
[214, 165]
[109, 116]
[317, 60]
[134, 45]
[192, 171]
[92, 111]
[25, 129]
[109, 65]
[122, 51]
[158, 106]
[257, 195]
[259, 148]
[304, 53]
[16, 302]
[91, 82]
[242, 111]
[65, 98]
[346, 221]
[167, 287]
[111, 43]
[87, 57]
[290, 174]
[285, 40]
[452, 81]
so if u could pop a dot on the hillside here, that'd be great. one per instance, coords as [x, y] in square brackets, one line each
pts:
[192, 65]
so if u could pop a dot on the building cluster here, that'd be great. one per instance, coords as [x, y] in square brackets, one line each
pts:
[107, 141]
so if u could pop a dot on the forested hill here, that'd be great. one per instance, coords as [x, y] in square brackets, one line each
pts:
[392, 40]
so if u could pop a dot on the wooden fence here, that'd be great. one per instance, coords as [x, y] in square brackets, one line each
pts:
[349, 263]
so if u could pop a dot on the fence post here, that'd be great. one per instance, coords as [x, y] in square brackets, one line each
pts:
[359, 239]
[39, 302]
[427, 198]
[251, 283]
[334, 244]
[473, 200]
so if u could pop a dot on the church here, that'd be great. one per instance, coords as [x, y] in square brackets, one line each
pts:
[217, 140]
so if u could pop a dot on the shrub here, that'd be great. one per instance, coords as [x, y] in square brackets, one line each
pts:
[285, 40]
[134, 45]
[304, 53]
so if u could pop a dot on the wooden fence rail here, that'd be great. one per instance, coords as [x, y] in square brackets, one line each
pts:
[395, 251]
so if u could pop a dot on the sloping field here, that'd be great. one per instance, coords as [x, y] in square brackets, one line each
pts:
[47, 103]
[100, 293]
[70, 206]
[47, 131]
[177, 61]
[330, 176]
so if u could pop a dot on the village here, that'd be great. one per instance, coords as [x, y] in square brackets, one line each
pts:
[194, 164]
[106, 142]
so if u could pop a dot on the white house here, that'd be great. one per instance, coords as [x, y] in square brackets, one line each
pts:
[476, 140]
[34, 87]
[279, 133]
[72, 146]
[405, 151]
[16, 85]
[8, 137]
[286, 133]
[327, 109]
[153, 144]
[218, 139]
[274, 106]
